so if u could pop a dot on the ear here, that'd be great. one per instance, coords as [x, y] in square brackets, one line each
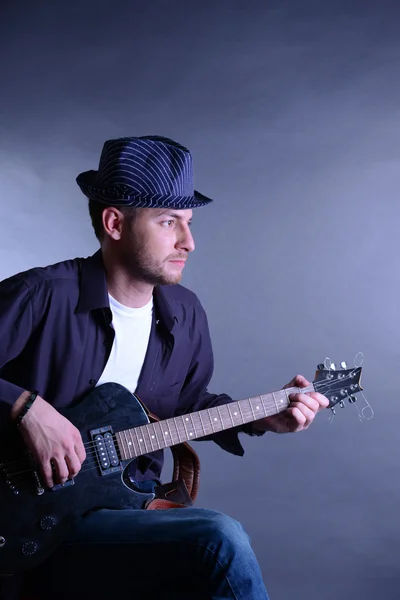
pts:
[112, 222]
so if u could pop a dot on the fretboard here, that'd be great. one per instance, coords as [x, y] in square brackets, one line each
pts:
[162, 434]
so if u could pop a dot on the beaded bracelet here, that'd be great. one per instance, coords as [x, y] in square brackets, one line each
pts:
[32, 397]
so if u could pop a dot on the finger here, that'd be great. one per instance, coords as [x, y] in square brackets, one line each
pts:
[305, 399]
[60, 469]
[321, 399]
[297, 381]
[47, 474]
[80, 451]
[301, 381]
[73, 464]
[303, 415]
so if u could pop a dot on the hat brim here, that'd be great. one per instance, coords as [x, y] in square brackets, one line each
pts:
[121, 195]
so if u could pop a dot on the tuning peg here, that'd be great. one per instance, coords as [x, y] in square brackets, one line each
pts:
[321, 367]
[342, 405]
[352, 399]
[343, 364]
[333, 366]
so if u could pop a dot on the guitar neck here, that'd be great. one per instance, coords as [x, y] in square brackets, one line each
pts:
[162, 434]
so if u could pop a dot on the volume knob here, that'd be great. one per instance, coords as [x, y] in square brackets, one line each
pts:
[29, 548]
[46, 523]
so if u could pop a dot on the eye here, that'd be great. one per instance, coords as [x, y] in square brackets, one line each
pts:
[168, 224]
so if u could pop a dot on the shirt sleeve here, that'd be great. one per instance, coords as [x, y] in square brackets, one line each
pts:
[16, 324]
[195, 395]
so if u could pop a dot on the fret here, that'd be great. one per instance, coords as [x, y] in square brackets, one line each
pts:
[240, 410]
[155, 427]
[139, 440]
[205, 422]
[260, 409]
[180, 424]
[144, 437]
[192, 434]
[134, 452]
[176, 432]
[126, 442]
[236, 414]
[230, 414]
[184, 420]
[252, 409]
[224, 415]
[209, 415]
[221, 418]
[175, 421]
[122, 449]
[159, 429]
[287, 396]
[150, 432]
[201, 422]
[276, 404]
[263, 405]
[167, 432]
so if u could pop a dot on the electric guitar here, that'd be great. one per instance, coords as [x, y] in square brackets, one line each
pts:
[116, 430]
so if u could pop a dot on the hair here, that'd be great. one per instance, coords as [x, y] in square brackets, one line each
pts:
[96, 216]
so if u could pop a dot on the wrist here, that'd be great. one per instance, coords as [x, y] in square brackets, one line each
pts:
[23, 405]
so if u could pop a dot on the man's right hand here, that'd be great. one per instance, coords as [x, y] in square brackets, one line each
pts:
[54, 441]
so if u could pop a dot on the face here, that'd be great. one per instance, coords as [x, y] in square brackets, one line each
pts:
[155, 246]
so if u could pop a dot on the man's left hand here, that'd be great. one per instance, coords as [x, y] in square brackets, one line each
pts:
[300, 413]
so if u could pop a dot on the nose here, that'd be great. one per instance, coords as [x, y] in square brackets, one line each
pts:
[185, 241]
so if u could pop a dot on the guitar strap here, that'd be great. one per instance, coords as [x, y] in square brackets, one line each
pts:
[182, 490]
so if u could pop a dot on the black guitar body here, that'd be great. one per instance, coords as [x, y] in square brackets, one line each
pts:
[34, 521]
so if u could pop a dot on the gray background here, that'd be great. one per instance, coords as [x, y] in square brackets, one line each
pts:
[291, 109]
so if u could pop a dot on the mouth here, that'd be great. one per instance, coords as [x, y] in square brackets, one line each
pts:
[178, 263]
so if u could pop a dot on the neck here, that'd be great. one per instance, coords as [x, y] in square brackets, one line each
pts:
[123, 286]
[175, 430]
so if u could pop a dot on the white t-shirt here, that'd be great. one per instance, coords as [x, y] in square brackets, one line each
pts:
[132, 331]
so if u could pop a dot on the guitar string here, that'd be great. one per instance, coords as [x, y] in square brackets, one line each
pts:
[93, 444]
[87, 468]
[93, 449]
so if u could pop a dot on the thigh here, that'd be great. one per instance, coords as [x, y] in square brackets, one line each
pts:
[137, 553]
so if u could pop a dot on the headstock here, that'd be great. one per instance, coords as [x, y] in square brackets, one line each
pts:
[338, 384]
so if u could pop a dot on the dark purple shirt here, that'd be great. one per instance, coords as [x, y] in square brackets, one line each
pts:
[56, 338]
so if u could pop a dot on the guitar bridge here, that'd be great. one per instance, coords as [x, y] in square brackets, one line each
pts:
[106, 450]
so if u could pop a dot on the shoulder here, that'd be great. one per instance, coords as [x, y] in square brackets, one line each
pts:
[57, 276]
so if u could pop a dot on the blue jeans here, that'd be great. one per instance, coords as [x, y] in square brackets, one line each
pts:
[174, 554]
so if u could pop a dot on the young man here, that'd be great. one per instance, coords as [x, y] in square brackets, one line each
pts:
[120, 316]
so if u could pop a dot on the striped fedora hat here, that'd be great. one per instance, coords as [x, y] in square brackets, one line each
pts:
[148, 171]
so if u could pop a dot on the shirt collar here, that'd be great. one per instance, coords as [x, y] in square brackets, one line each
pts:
[93, 293]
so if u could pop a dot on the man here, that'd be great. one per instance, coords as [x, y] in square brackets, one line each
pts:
[121, 316]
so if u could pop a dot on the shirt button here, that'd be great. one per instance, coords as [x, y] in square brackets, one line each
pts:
[92, 381]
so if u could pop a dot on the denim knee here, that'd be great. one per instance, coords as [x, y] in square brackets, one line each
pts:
[220, 529]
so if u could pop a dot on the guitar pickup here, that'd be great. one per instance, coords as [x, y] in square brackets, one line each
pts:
[106, 450]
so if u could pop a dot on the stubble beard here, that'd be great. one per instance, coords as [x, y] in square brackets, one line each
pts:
[143, 267]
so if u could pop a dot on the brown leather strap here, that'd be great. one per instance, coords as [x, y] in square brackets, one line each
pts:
[184, 487]
[161, 504]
